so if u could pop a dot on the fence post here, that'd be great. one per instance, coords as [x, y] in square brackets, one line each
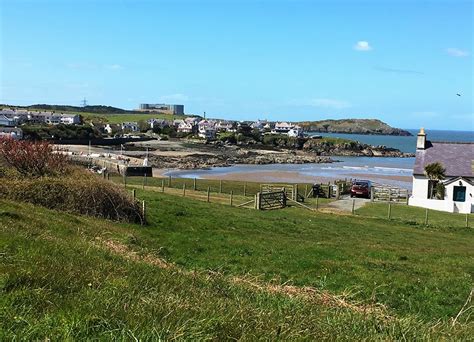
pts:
[317, 201]
[108, 176]
[426, 217]
[169, 181]
[245, 189]
[337, 192]
[305, 190]
[353, 206]
[467, 220]
[144, 212]
[163, 185]
[258, 201]
[184, 189]
[295, 192]
[220, 186]
[389, 210]
[133, 193]
[329, 189]
[231, 195]
[208, 194]
[194, 184]
[371, 194]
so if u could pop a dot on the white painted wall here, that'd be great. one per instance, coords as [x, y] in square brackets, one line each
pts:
[420, 187]
[419, 196]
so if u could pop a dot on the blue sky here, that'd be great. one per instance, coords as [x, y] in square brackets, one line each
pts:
[399, 61]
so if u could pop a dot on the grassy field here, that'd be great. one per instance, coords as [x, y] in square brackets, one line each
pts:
[72, 277]
[119, 118]
[415, 216]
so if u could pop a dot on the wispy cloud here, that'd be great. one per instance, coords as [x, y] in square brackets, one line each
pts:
[455, 52]
[113, 66]
[322, 103]
[362, 45]
[398, 71]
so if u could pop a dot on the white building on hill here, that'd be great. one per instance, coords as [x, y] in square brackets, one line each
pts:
[458, 160]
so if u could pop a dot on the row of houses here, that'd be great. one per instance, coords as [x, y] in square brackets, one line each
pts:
[14, 117]
[208, 129]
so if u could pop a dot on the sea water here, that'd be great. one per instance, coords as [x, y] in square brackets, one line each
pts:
[384, 170]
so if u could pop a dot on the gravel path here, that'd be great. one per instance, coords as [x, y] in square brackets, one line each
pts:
[345, 203]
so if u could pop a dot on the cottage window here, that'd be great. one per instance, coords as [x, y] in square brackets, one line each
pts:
[459, 194]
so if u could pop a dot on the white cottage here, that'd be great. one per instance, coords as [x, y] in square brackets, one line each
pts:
[458, 160]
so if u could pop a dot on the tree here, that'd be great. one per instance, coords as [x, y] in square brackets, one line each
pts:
[435, 173]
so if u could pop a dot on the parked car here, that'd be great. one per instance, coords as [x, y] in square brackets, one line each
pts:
[361, 188]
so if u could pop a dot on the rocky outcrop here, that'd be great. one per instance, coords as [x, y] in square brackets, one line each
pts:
[353, 126]
[204, 161]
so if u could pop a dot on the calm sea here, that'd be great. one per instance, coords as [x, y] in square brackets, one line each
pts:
[392, 171]
[405, 144]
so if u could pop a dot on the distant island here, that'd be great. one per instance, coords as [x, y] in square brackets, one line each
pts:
[353, 126]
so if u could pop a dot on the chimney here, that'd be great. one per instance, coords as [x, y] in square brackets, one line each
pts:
[421, 140]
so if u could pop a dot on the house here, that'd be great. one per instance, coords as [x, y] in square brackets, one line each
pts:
[458, 160]
[157, 123]
[224, 126]
[261, 125]
[185, 127]
[295, 132]
[282, 128]
[130, 127]
[69, 119]
[8, 132]
[206, 129]
[7, 121]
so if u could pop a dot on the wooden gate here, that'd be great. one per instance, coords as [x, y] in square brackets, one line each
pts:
[270, 200]
[389, 194]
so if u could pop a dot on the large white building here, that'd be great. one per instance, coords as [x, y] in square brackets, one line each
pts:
[458, 161]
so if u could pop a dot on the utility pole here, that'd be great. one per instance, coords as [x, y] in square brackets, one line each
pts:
[84, 102]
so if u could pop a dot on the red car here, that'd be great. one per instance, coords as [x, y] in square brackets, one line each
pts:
[361, 188]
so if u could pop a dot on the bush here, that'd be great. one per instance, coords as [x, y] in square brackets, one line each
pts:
[33, 159]
[78, 192]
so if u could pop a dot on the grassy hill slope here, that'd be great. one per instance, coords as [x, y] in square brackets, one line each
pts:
[203, 271]
[356, 126]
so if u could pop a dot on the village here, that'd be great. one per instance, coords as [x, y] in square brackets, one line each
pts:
[12, 119]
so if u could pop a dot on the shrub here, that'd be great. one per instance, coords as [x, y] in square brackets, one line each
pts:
[33, 159]
[77, 192]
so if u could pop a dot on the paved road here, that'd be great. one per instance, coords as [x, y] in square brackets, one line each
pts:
[345, 203]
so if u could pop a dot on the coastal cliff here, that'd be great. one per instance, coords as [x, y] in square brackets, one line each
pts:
[353, 126]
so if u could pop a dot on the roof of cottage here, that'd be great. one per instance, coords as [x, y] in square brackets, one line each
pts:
[456, 157]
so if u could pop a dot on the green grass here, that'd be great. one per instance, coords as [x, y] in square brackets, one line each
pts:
[119, 118]
[58, 281]
[415, 216]
[238, 188]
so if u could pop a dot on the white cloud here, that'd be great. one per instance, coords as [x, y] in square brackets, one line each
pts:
[455, 52]
[323, 103]
[362, 45]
